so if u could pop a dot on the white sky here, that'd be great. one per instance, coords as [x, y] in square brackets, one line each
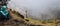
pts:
[36, 7]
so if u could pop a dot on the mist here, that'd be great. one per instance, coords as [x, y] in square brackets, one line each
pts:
[36, 9]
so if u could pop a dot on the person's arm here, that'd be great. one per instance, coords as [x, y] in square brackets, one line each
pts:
[4, 11]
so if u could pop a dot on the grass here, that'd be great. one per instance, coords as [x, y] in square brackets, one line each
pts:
[34, 22]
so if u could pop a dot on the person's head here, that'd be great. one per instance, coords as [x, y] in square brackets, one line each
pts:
[4, 2]
[0, 4]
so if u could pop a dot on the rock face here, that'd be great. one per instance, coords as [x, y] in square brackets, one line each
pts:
[36, 9]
